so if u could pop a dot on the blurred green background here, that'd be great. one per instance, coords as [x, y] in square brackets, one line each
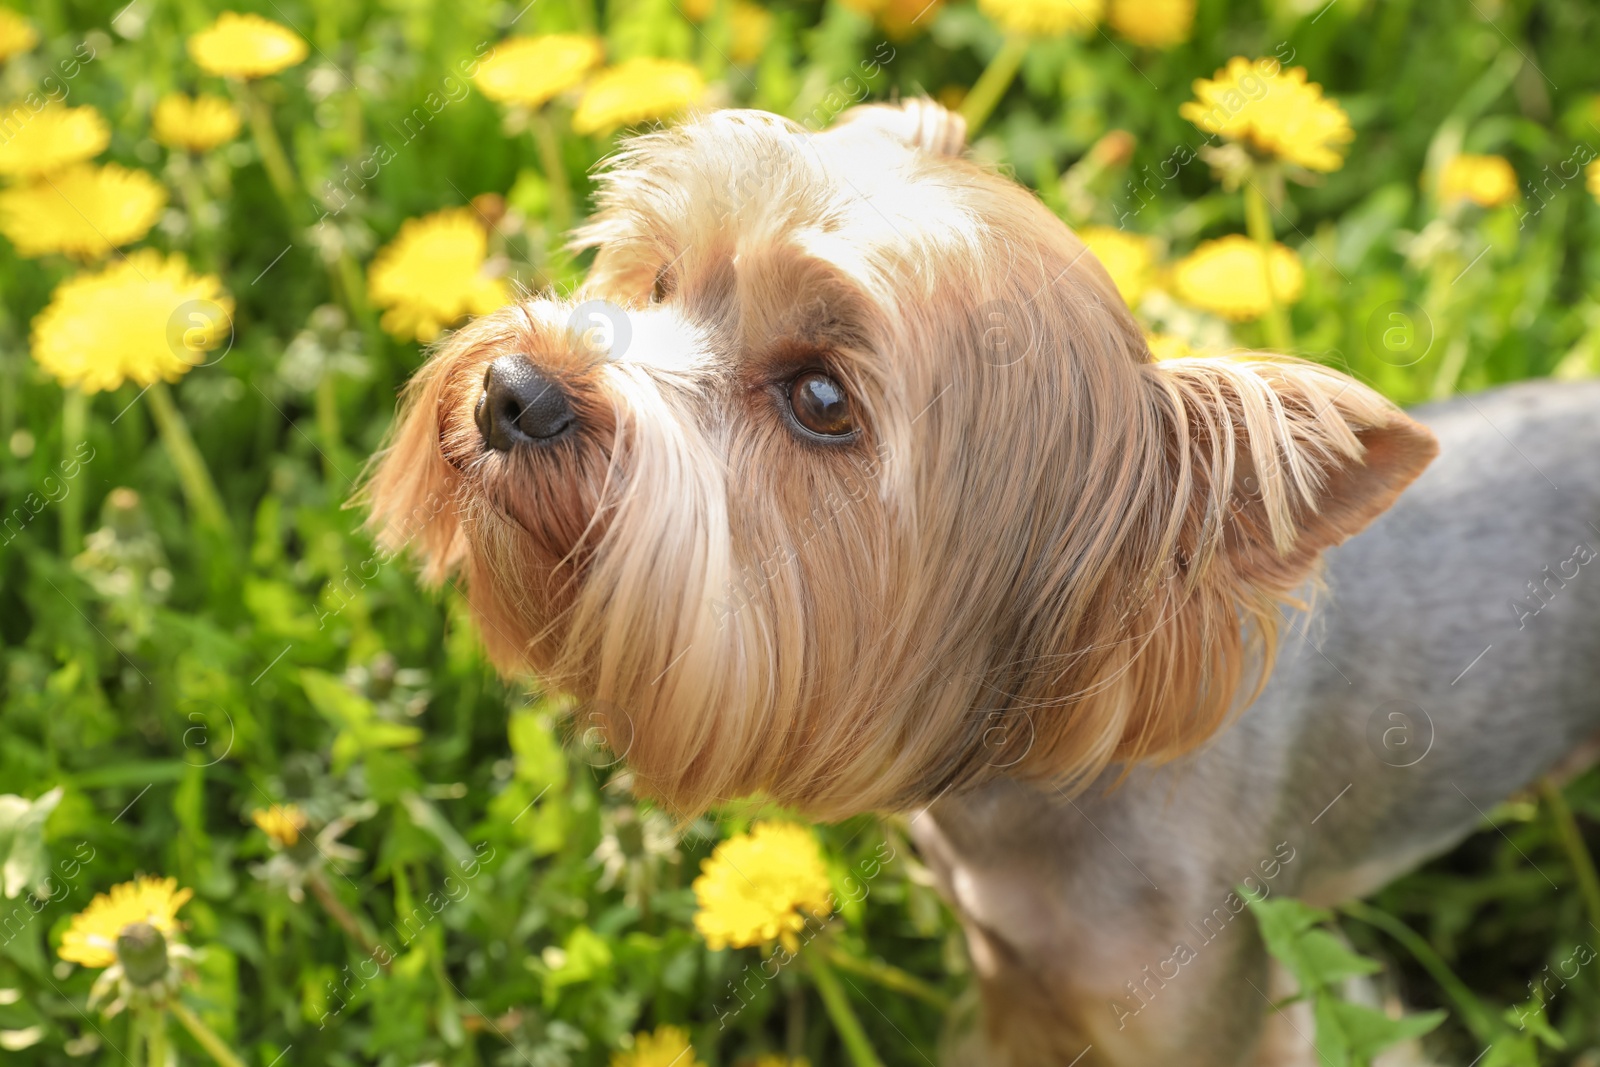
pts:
[173, 673]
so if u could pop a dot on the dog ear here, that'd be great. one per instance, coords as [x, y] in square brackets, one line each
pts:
[411, 490]
[1268, 462]
[1275, 460]
[1160, 614]
[919, 122]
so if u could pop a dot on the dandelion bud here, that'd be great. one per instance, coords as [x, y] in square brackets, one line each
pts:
[491, 208]
[1114, 149]
[142, 951]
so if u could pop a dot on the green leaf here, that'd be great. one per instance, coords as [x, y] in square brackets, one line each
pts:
[1368, 1031]
[1286, 924]
[1530, 1016]
[1333, 1044]
[363, 731]
[218, 995]
[334, 700]
[23, 863]
[1521, 1050]
[1282, 919]
[540, 760]
[1328, 961]
[450, 1027]
[279, 609]
[1348, 1035]
[585, 956]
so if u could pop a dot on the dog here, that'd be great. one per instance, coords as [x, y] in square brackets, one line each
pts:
[847, 478]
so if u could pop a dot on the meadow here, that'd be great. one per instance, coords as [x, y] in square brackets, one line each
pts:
[262, 801]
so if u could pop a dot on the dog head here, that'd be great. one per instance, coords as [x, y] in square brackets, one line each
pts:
[867, 487]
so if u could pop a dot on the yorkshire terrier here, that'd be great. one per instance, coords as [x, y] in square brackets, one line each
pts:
[848, 478]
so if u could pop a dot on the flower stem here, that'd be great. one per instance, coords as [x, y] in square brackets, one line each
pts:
[273, 158]
[343, 916]
[192, 474]
[993, 82]
[9, 368]
[555, 171]
[1450, 368]
[156, 1037]
[344, 274]
[353, 290]
[206, 1036]
[1477, 1017]
[186, 168]
[886, 975]
[1577, 851]
[1258, 221]
[74, 413]
[1437, 299]
[138, 1038]
[839, 1010]
[328, 421]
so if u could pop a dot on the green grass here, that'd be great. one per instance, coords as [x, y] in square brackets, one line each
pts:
[171, 678]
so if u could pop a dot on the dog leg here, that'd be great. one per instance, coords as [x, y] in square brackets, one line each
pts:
[1080, 961]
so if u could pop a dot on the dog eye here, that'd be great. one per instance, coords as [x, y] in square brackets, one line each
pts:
[665, 284]
[821, 405]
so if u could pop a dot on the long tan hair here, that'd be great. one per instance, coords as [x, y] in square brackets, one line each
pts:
[1042, 554]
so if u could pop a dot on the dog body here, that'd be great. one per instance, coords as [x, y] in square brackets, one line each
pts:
[1433, 681]
[870, 496]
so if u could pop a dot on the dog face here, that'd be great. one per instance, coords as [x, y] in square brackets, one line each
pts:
[873, 490]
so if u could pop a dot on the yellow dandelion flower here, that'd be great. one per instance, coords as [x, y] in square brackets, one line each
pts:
[246, 46]
[697, 10]
[55, 137]
[1043, 18]
[752, 28]
[761, 886]
[197, 123]
[1485, 180]
[1274, 111]
[1229, 276]
[1592, 178]
[128, 323]
[432, 274]
[91, 940]
[1168, 346]
[532, 70]
[84, 211]
[1127, 257]
[636, 91]
[16, 33]
[281, 822]
[668, 1046]
[1152, 23]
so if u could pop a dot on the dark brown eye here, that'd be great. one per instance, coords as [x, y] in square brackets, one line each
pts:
[821, 405]
[663, 287]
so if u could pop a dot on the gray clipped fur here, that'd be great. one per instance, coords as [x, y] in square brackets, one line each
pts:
[1066, 902]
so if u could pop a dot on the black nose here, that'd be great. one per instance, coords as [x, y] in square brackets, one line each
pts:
[519, 404]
